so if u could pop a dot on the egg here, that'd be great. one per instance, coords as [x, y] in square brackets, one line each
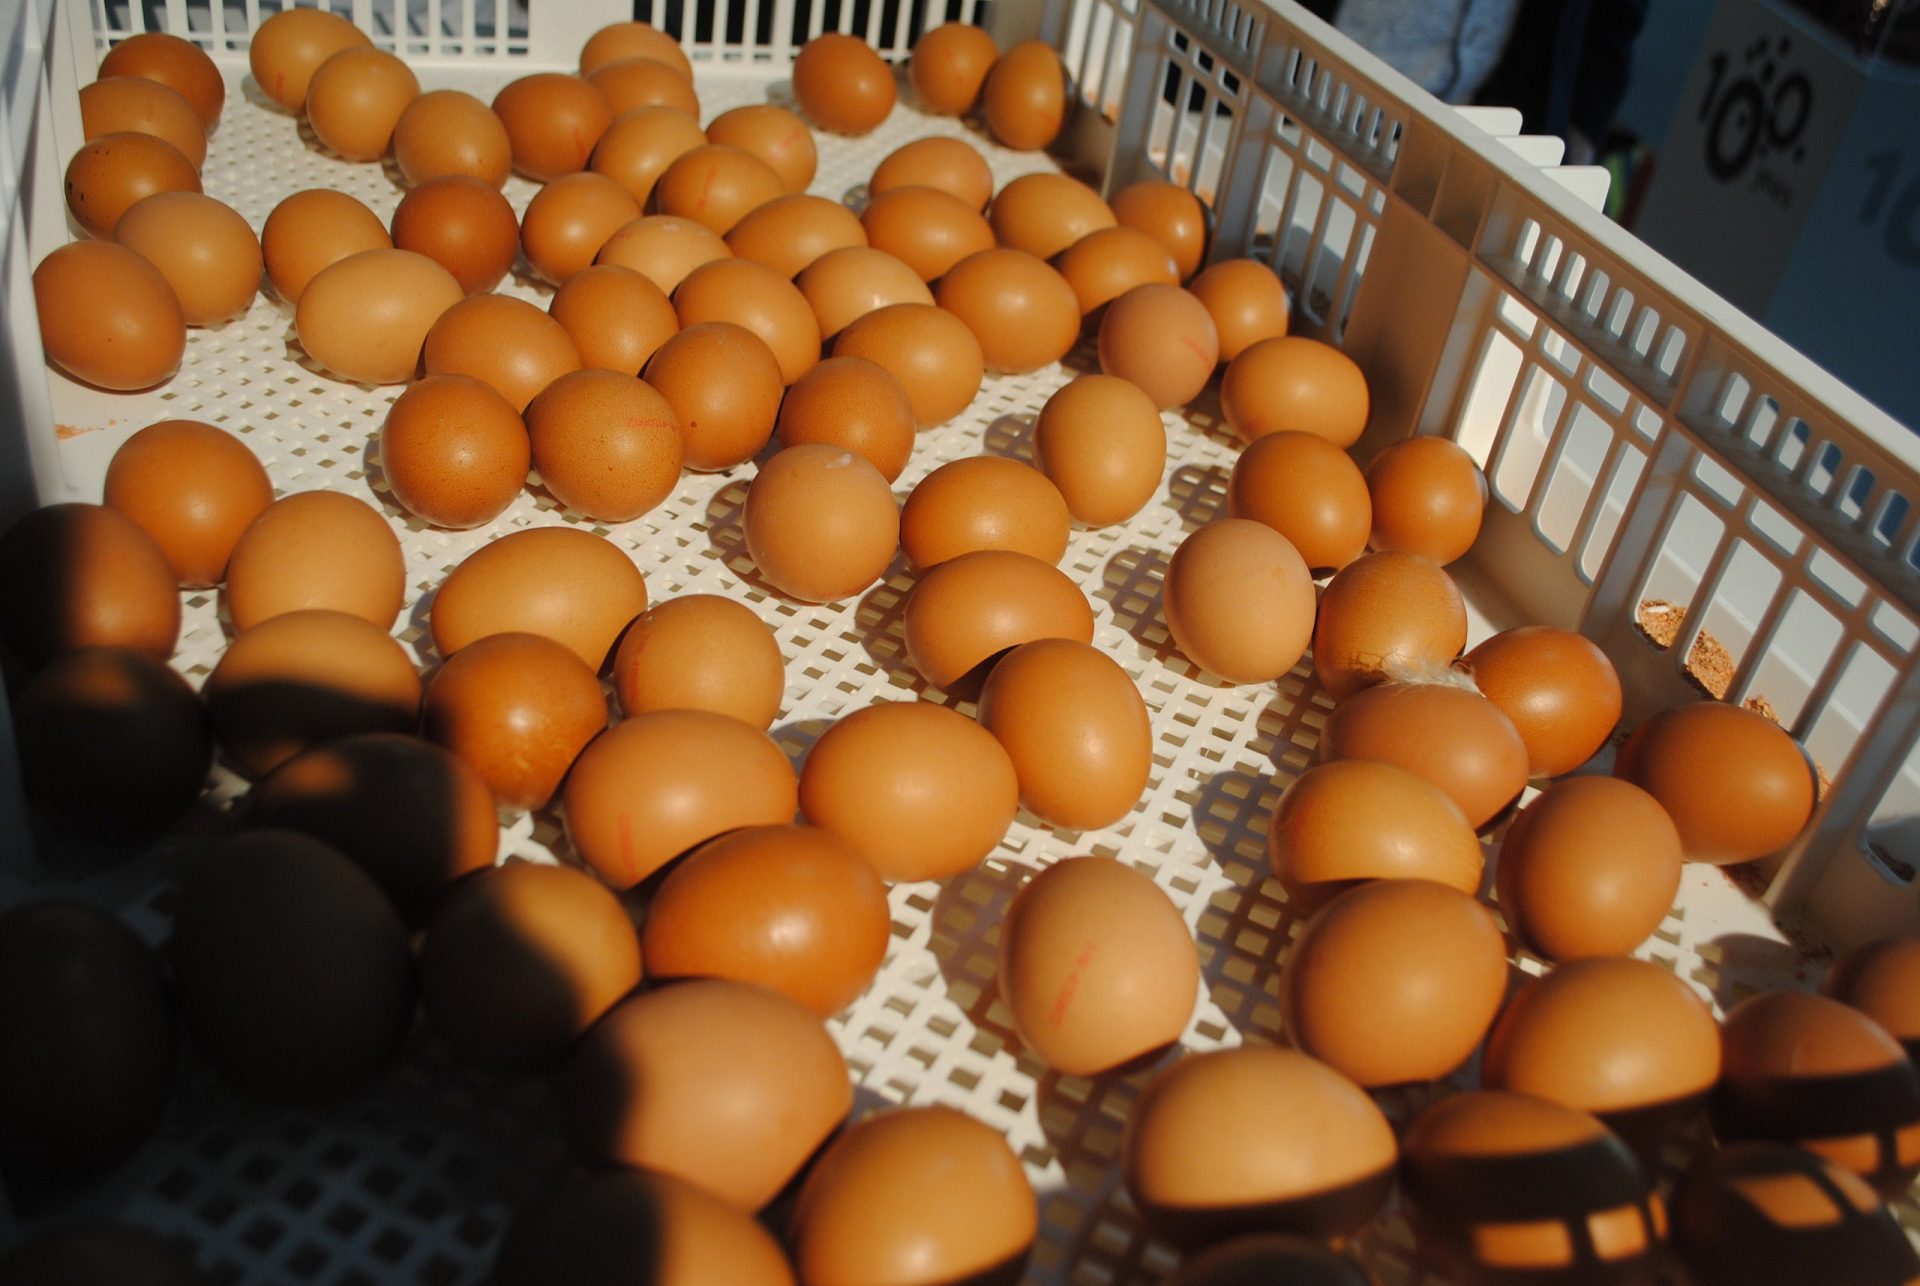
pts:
[968, 610]
[193, 488]
[570, 219]
[715, 186]
[311, 231]
[723, 384]
[844, 285]
[700, 652]
[606, 445]
[1308, 490]
[316, 549]
[1108, 262]
[1386, 616]
[504, 342]
[572, 586]
[1560, 690]
[1589, 868]
[447, 132]
[949, 67]
[1353, 820]
[1100, 441]
[687, 775]
[788, 233]
[518, 708]
[1025, 96]
[1452, 736]
[1735, 784]
[1096, 965]
[1428, 497]
[366, 317]
[983, 502]
[921, 791]
[108, 317]
[632, 40]
[949, 165]
[291, 969]
[521, 960]
[663, 249]
[453, 451]
[916, 1196]
[411, 814]
[132, 105]
[111, 174]
[464, 225]
[841, 84]
[1239, 601]
[1306, 1150]
[1268, 1257]
[111, 714]
[1295, 383]
[1246, 300]
[642, 82]
[925, 228]
[355, 100]
[552, 122]
[773, 134]
[821, 524]
[299, 679]
[1045, 213]
[1022, 311]
[726, 1085]
[75, 1254]
[1160, 338]
[204, 249]
[616, 318]
[1878, 979]
[757, 298]
[76, 576]
[289, 47]
[1076, 729]
[640, 144]
[1173, 216]
[853, 403]
[180, 65]
[929, 350]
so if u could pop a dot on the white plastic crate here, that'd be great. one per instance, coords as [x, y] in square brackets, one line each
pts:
[1642, 439]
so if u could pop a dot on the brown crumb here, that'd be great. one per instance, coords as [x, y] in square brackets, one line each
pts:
[68, 432]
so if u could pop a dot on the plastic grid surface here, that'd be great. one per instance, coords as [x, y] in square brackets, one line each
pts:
[415, 1181]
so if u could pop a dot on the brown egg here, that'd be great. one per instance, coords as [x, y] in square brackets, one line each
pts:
[519, 708]
[453, 452]
[723, 384]
[570, 219]
[204, 249]
[1428, 496]
[289, 47]
[968, 610]
[925, 228]
[291, 969]
[1307, 1151]
[686, 775]
[624, 1225]
[1736, 785]
[572, 586]
[1618, 1037]
[113, 173]
[757, 298]
[311, 231]
[643, 82]
[1173, 216]
[701, 652]
[133, 105]
[1023, 312]
[788, 233]
[729, 1086]
[552, 122]
[316, 549]
[506, 343]
[111, 715]
[852, 403]
[1559, 689]
[606, 445]
[446, 132]
[356, 98]
[108, 317]
[922, 791]
[929, 350]
[1879, 980]
[1239, 601]
[663, 249]
[194, 489]
[949, 165]
[1100, 441]
[1108, 262]
[1454, 737]
[1343, 823]
[773, 134]
[1298, 384]
[1394, 981]
[632, 40]
[844, 285]
[1386, 616]
[983, 502]
[299, 679]
[464, 225]
[1076, 729]
[411, 814]
[1269, 1257]
[715, 186]
[74, 576]
[91, 1252]
[949, 68]
[180, 65]
[1247, 301]
[521, 960]
[821, 524]
[366, 317]
[1810, 1071]
[1096, 965]
[842, 85]
[1044, 214]
[1160, 338]
[1308, 490]
[616, 318]
[639, 146]
[1025, 96]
